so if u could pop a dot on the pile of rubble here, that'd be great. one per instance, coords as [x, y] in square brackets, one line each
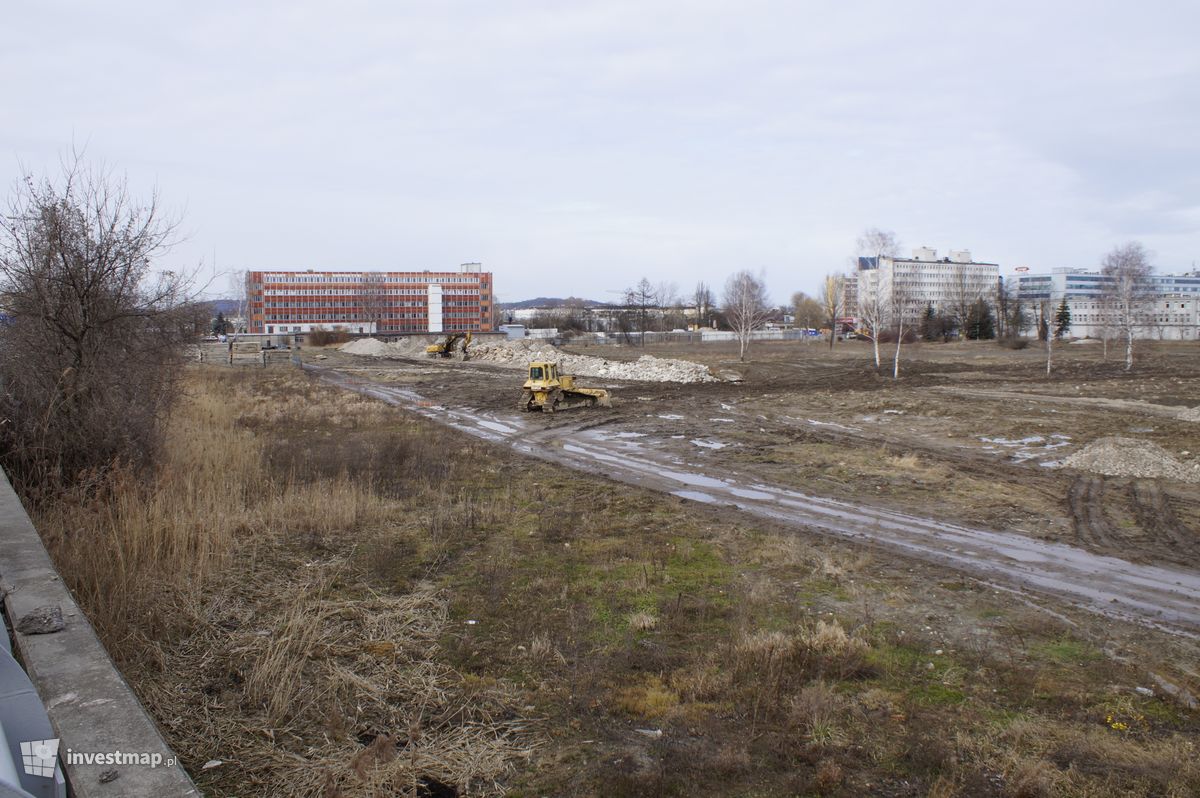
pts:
[518, 354]
[375, 348]
[646, 368]
[1130, 457]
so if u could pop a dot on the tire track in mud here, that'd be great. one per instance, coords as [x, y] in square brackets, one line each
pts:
[1085, 498]
[1156, 516]
[1162, 597]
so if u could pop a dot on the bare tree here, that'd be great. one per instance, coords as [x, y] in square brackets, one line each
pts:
[964, 293]
[873, 308]
[1128, 290]
[643, 296]
[1046, 330]
[833, 302]
[372, 300]
[746, 306]
[807, 310]
[876, 243]
[702, 298]
[898, 302]
[239, 289]
[94, 338]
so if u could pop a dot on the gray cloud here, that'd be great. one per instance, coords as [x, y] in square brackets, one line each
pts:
[575, 147]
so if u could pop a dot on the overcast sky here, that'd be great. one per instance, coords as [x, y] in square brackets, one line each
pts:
[573, 147]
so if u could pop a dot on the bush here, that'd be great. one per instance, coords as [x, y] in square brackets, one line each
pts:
[93, 341]
[322, 337]
[1013, 343]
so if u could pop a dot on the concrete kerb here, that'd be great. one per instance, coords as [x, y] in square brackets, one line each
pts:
[92, 709]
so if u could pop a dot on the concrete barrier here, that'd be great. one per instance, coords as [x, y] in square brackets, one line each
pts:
[91, 708]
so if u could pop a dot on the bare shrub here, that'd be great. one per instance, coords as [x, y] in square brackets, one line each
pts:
[92, 341]
[816, 712]
[323, 337]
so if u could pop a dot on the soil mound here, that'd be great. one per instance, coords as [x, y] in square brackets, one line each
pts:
[1130, 457]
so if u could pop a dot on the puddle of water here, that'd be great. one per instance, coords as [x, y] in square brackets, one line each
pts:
[816, 423]
[709, 444]
[723, 420]
[747, 493]
[671, 417]
[1030, 448]
[695, 495]
[699, 480]
[1015, 441]
[496, 426]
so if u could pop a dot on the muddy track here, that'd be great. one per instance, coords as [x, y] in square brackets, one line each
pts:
[1156, 516]
[1157, 596]
[1085, 500]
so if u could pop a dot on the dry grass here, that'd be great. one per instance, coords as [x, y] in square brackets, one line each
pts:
[290, 596]
[268, 604]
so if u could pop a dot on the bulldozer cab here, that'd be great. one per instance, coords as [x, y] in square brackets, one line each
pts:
[542, 373]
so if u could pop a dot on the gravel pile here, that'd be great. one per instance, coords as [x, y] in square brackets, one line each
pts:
[646, 368]
[375, 348]
[518, 354]
[1130, 457]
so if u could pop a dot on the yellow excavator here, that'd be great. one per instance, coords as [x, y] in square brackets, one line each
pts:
[547, 390]
[455, 343]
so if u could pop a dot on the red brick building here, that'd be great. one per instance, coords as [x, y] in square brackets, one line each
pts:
[370, 302]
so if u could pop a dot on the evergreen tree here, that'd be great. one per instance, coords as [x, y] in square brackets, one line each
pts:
[219, 324]
[981, 325]
[1062, 322]
[928, 328]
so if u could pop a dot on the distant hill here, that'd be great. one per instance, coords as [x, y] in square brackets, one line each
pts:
[227, 306]
[551, 302]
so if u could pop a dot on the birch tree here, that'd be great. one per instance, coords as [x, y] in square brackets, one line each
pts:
[746, 307]
[1128, 290]
[898, 302]
[873, 308]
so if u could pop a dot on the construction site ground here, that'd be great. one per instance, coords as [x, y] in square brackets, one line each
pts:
[812, 581]
[970, 433]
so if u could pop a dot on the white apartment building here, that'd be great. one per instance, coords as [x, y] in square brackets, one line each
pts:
[1172, 313]
[913, 284]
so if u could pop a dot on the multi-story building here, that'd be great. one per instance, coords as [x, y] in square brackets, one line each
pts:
[370, 302]
[1168, 311]
[910, 285]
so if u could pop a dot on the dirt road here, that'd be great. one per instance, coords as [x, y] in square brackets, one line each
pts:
[1154, 595]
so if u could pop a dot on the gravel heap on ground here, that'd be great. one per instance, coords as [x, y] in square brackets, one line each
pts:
[646, 368]
[1129, 457]
[518, 354]
[374, 348]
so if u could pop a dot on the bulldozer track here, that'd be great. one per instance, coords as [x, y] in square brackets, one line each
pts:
[1085, 499]
[1156, 516]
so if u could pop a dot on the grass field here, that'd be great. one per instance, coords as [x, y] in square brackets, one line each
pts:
[331, 597]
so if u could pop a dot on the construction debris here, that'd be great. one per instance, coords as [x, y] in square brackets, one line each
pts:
[1130, 457]
[518, 354]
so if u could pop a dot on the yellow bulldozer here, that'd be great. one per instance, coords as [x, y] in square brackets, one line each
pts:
[454, 345]
[547, 390]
